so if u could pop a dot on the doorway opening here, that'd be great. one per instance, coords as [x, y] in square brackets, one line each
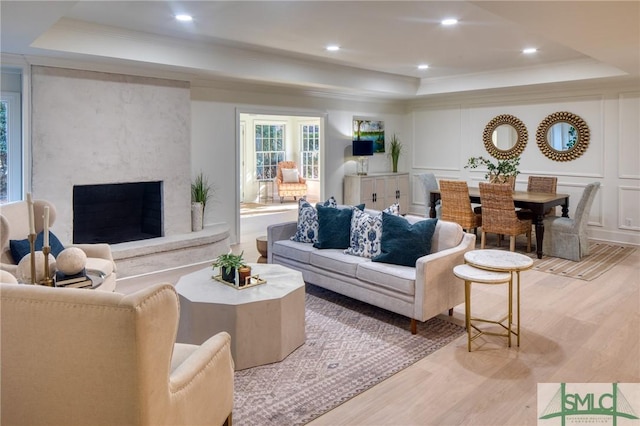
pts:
[265, 141]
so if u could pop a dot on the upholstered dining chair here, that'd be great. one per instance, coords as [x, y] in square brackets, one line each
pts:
[499, 214]
[430, 183]
[546, 184]
[86, 357]
[567, 238]
[456, 207]
[289, 181]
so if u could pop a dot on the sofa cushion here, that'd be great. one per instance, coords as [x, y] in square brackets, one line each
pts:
[447, 235]
[290, 175]
[403, 243]
[293, 250]
[393, 277]
[20, 248]
[307, 231]
[335, 260]
[334, 226]
[366, 232]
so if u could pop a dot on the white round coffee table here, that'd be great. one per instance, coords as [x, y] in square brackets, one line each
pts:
[502, 261]
[266, 322]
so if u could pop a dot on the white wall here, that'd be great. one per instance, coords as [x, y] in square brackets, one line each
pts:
[449, 131]
[439, 135]
[96, 128]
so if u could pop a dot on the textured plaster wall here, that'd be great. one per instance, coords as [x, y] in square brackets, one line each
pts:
[94, 128]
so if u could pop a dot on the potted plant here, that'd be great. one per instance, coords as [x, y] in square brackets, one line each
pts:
[200, 192]
[504, 171]
[395, 148]
[228, 264]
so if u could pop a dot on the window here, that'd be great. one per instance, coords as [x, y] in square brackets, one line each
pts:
[10, 148]
[269, 150]
[310, 137]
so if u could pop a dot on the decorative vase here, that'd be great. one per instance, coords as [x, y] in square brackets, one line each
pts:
[229, 277]
[511, 180]
[394, 161]
[197, 216]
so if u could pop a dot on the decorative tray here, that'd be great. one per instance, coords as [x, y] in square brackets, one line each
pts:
[251, 281]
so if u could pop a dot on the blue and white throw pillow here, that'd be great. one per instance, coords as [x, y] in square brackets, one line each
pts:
[307, 231]
[366, 232]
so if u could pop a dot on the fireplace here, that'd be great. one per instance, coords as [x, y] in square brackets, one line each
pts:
[117, 213]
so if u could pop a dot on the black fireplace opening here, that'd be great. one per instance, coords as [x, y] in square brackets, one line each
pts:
[117, 213]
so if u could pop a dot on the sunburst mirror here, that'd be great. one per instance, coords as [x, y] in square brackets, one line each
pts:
[505, 137]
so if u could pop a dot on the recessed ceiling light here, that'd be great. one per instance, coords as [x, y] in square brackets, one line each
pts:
[333, 48]
[423, 66]
[529, 50]
[449, 21]
[184, 18]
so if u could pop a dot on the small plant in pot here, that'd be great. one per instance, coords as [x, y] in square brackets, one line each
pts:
[201, 191]
[395, 149]
[228, 264]
[505, 171]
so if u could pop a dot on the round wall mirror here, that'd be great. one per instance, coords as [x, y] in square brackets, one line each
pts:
[505, 137]
[563, 136]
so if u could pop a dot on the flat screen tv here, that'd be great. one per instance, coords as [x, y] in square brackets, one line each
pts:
[362, 148]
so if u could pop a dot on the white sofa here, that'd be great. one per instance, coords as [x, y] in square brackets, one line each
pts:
[419, 292]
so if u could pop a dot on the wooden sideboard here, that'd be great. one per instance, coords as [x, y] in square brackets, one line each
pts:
[378, 190]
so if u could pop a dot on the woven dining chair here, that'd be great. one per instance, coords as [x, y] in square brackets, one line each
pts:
[456, 207]
[546, 184]
[499, 214]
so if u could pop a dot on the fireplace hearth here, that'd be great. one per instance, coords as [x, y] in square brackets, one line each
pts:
[117, 213]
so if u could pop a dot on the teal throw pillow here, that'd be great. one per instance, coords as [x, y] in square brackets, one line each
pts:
[334, 227]
[20, 248]
[403, 243]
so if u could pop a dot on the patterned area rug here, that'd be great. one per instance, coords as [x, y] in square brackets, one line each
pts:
[601, 258]
[350, 347]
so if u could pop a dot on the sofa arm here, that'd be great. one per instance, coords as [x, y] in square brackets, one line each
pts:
[201, 387]
[100, 251]
[277, 232]
[437, 288]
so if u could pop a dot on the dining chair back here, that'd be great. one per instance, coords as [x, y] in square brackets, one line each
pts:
[567, 238]
[546, 184]
[456, 207]
[499, 214]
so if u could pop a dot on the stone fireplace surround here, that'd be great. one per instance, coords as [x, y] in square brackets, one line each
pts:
[93, 128]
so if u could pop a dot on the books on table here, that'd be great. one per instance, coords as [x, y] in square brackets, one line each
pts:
[78, 280]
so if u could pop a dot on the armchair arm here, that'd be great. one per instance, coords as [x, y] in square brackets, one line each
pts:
[437, 288]
[201, 387]
[302, 180]
[100, 251]
[277, 232]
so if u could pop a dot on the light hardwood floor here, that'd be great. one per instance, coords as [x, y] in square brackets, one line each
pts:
[572, 331]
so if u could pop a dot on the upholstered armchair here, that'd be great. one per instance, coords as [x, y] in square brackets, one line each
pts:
[14, 224]
[289, 181]
[86, 357]
[567, 238]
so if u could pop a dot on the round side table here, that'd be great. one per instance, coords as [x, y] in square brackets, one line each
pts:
[502, 261]
[261, 245]
[471, 274]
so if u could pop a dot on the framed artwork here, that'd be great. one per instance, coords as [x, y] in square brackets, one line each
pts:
[369, 130]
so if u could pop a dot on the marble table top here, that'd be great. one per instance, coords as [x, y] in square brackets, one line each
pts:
[498, 260]
[471, 273]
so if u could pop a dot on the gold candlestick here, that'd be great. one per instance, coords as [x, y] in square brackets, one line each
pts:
[47, 280]
[32, 246]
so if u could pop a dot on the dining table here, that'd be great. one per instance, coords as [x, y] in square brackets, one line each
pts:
[537, 202]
